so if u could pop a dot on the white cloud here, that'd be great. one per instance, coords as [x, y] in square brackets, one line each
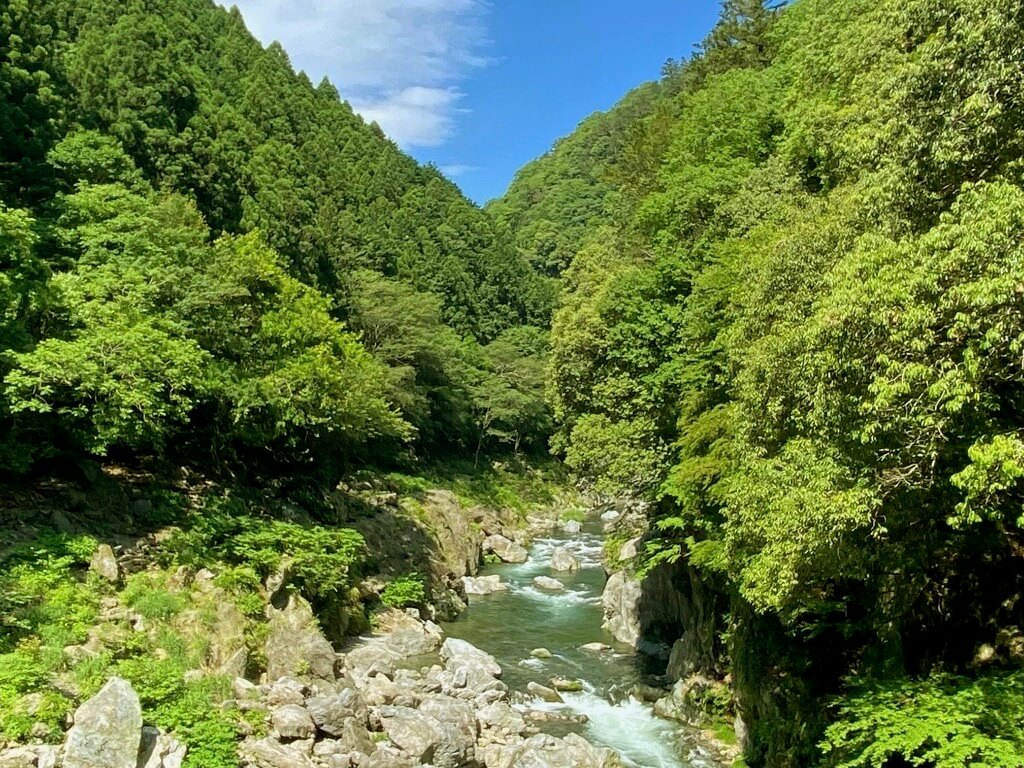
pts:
[398, 62]
[416, 116]
[458, 169]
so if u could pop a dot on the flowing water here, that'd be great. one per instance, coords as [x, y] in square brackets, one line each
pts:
[509, 625]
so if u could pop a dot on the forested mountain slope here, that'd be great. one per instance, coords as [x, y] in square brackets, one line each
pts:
[798, 331]
[202, 247]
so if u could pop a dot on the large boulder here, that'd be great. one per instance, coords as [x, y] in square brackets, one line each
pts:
[19, 757]
[293, 722]
[270, 753]
[107, 730]
[505, 549]
[295, 645]
[546, 582]
[563, 560]
[332, 713]
[621, 601]
[544, 751]
[483, 585]
[499, 722]
[458, 544]
[459, 714]
[470, 667]
[426, 739]
[417, 640]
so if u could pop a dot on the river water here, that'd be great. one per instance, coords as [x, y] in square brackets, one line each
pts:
[509, 625]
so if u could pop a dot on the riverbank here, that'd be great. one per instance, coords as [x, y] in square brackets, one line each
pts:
[180, 584]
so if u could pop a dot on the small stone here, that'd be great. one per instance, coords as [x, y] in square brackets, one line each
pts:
[541, 653]
[572, 527]
[244, 689]
[595, 647]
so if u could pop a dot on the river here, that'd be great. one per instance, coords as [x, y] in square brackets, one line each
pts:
[509, 625]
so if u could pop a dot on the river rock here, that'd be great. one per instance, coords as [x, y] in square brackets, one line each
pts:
[458, 714]
[564, 684]
[426, 739]
[458, 654]
[270, 753]
[49, 756]
[544, 693]
[158, 750]
[546, 582]
[293, 722]
[572, 527]
[544, 751]
[541, 653]
[295, 645]
[610, 516]
[548, 716]
[563, 560]
[19, 757]
[595, 647]
[421, 639]
[505, 549]
[483, 585]
[621, 601]
[500, 722]
[332, 713]
[107, 729]
[104, 563]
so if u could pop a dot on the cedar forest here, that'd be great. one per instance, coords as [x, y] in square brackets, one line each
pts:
[778, 293]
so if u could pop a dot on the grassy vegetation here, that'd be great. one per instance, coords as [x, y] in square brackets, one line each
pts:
[508, 485]
[64, 632]
[405, 591]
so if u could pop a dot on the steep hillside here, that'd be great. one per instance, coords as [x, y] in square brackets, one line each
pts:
[283, 276]
[797, 333]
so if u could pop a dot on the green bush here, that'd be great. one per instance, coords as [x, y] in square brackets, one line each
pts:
[193, 717]
[942, 722]
[157, 681]
[323, 559]
[405, 591]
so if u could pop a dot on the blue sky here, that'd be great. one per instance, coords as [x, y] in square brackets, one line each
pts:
[481, 87]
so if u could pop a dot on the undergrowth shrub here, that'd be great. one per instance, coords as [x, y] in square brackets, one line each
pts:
[323, 559]
[942, 722]
[404, 592]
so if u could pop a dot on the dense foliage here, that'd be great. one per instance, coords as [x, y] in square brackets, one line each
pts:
[791, 317]
[205, 255]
